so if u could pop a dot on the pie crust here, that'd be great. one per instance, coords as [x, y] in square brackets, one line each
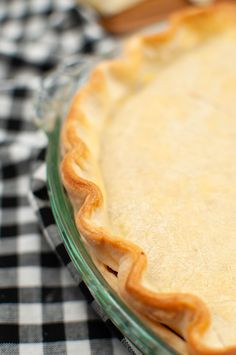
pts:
[148, 151]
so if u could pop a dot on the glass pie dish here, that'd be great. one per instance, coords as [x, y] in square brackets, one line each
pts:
[51, 106]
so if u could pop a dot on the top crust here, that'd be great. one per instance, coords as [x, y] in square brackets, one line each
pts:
[109, 84]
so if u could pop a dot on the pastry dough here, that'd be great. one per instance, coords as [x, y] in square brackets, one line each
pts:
[149, 149]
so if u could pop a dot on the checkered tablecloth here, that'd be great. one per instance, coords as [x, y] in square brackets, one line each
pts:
[42, 309]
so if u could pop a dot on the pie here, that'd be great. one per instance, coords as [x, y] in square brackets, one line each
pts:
[149, 151]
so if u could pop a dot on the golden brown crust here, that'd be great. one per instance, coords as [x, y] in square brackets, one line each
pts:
[109, 84]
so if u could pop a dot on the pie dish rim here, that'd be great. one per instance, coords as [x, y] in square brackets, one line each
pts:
[127, 255]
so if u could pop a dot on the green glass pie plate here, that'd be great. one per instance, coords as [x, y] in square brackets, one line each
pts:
[51, 105]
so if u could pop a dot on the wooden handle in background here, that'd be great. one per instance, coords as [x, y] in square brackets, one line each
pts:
[144, 13]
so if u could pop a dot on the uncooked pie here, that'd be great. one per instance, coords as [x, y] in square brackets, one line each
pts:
[149, 163]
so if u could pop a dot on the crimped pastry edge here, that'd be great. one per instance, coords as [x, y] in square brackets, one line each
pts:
[110, 82]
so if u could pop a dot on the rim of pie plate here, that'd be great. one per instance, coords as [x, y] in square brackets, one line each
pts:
[148, 62]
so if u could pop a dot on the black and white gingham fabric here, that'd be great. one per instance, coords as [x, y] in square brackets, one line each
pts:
[40, 202]
[37, 34]
[42, 309]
